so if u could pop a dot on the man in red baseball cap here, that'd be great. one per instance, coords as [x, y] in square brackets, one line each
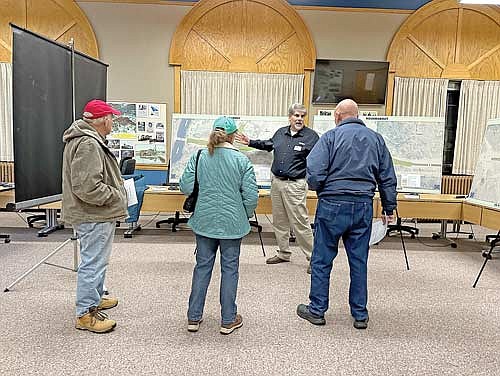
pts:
[97, 108]
[93, 199]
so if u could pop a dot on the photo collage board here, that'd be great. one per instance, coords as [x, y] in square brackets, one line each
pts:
[139, 132]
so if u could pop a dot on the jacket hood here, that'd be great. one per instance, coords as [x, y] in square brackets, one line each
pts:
[81, 128]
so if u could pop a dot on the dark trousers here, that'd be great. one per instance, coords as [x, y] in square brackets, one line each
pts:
[352, 221]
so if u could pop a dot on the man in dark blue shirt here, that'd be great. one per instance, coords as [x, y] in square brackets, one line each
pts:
[344, 168]
[291, 146]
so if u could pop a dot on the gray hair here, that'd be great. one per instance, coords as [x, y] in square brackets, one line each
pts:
[297, 107]
[95, 121]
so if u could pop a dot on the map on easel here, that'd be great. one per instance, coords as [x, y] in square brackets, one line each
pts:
[485, 189]
[416, 146]
[322, 124]
[190, 133]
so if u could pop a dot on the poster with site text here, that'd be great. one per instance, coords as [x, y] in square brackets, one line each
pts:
[139, 132]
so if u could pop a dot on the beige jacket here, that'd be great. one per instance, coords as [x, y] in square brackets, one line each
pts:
[92, 187]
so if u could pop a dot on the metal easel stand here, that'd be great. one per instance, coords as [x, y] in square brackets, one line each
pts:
[259, 231]
[5, 237]
[73, 239]
[51, 225]
[132, 227]
[456, 229]
[487, 255]
[443, 233]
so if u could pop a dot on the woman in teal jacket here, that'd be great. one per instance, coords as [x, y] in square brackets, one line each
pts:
[227, 197]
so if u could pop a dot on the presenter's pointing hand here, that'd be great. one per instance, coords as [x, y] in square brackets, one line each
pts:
[242, 138]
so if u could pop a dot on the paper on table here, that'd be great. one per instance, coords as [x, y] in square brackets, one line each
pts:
[262, 173]
[131, 193]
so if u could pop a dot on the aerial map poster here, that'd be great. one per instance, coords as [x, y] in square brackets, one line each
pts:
[323, 123]
[416, 146]
[190, 133]
[485, 187]
[139, 132]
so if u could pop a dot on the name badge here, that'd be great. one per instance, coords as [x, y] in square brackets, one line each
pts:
[297, 148]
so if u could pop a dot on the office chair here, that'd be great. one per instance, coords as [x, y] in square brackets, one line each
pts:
[127, 166]
[176, 219]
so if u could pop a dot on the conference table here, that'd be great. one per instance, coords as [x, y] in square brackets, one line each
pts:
[432, 206]
[428, 206]
[442, 207]
[161, 199]
[5, 188]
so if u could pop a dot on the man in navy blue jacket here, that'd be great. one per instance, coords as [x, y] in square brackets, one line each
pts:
[344, 168]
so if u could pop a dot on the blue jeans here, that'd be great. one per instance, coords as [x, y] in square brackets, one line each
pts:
[96, 240]
[205, 258]
[351, 220]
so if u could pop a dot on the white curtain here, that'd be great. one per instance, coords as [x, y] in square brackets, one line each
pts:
[479, 102]
[419, 97]
[6, 148]
[229, 93]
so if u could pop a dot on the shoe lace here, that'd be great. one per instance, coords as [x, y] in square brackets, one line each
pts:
[97, 314]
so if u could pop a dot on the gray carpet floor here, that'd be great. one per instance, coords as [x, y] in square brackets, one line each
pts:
[426, 321]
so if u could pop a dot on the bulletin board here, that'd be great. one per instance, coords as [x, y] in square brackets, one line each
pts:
[139, 132]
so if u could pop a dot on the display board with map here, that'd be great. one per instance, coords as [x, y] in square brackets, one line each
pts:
[139, 132]
[321, 123]
[191, 132]
[485, 189]
[416, 146]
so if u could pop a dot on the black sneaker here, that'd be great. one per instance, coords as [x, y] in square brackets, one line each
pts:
[275, 260]
[304, 313]
[361, 324]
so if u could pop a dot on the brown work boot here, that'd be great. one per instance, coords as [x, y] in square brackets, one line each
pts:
[95, 321]
[229, 328]
[107, 303]
[275, 260]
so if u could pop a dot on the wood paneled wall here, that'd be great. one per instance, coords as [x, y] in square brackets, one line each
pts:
[243, 36]
[59, 20]
[444, 39]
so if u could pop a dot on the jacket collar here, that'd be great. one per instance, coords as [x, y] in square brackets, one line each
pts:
[226, 145]
[298, 134]
[351, 120]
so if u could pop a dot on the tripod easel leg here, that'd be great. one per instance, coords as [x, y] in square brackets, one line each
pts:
[44, 261]
[487, 256]
[259, 231]
[403, 242]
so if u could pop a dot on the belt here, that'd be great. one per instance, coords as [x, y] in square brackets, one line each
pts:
[286, 178]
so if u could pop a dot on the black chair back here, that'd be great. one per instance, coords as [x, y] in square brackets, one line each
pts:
[127, 166]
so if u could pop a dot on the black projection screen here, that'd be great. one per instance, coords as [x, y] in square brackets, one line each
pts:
[43, 109]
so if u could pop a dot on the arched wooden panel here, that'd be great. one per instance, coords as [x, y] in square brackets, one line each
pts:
[59, 20]
[444, 39]
[242, 36]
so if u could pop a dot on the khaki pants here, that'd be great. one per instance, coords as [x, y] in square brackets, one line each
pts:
[290, 212]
